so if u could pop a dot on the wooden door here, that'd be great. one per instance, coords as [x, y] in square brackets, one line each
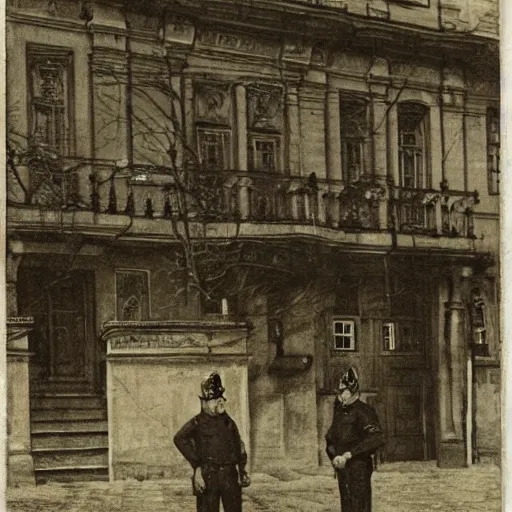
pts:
[63, 342]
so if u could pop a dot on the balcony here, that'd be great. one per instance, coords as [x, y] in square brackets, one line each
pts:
[91, 192]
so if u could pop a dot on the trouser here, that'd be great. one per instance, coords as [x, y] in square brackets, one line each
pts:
[354, 482]
[221, 483]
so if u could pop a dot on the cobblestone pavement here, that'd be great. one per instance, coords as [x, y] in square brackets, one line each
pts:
[407, 487]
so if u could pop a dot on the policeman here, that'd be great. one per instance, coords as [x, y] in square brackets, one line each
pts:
[355, 434]
[212, 445]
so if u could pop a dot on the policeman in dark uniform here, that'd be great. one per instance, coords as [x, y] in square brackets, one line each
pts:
[212, 445]
[355, 434]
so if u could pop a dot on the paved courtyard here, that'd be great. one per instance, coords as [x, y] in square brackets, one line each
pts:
[401, 487]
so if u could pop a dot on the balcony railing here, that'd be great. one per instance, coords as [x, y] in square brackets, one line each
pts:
[232, 196]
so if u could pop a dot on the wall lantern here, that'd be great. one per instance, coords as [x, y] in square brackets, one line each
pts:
[479, 342]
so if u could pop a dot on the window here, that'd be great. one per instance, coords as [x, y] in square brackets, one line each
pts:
[214, 148]
[413, 150]
[388, 336]
[50, 82]
[132, 295]
[264, 154]
[213, 116]
[265, 124]
[493, 150]
[344, 334]
[403, 336]
[354, 137]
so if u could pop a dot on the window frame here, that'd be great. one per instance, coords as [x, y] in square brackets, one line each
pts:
[147, 273]
[363, 140]
[275, 139]
[40, 54]
[353, 335]
[226, 135]
[422, 172]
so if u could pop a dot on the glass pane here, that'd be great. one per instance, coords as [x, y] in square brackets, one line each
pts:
[347, 328]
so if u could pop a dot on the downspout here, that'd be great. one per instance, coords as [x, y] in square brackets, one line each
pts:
[441, 119]
[129, 88]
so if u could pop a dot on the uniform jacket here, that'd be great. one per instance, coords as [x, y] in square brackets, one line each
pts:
[211, 441]
[355, 428]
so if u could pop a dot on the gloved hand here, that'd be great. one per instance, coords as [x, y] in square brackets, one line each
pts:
[245, 481]
[199, 485]
[340, 461]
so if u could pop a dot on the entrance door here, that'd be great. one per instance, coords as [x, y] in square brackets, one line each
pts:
[63, 342]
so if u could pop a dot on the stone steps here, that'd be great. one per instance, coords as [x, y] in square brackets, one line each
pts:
[69, 436]
[63, 439]
[67, 474]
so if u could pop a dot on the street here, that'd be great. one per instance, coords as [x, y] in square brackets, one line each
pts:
[398, 487]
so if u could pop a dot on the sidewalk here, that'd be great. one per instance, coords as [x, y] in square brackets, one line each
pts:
[399, 487]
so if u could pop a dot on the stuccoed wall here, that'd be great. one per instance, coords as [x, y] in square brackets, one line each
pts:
[283, 408]
[152, 393]
[488, 415]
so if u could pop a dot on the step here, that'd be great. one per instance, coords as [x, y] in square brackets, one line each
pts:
[68, 402]
[70, 457]
[49, 440]
[68, 414]
[72, 474]
[58, 427]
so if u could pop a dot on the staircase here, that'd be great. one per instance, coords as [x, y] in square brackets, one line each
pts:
[69, 436]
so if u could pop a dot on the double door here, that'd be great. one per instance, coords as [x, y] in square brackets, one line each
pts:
[63, 344]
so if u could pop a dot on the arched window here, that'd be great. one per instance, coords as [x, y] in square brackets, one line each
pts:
[413, 145]
[493, 150]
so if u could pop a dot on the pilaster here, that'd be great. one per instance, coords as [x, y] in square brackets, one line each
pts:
[293, 123]
[452, 452]
[20, 465]
[241, 125]
[333, 134]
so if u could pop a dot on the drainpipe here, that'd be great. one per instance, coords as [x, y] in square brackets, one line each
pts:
[466, 273]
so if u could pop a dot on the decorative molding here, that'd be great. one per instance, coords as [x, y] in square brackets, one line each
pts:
[178, 30]
[296, 52]
[212, 103]
[265, 106]
[237, 43]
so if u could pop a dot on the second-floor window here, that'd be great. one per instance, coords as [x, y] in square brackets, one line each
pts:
[213, 115]
[493, 150]
[51, 96]
[413, 145]
[265, 109]
[354, 138]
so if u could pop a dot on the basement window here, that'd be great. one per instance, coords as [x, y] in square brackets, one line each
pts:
[344, 334]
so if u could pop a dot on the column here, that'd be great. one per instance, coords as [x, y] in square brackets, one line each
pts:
[293, 121]
[333, 135]
[241, 127]
[436, 145]
[176, 82]
[452, 451]
[394, 163]
[379, 139]
[188, 106]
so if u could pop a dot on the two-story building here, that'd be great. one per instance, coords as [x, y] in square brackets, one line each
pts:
[273, 189]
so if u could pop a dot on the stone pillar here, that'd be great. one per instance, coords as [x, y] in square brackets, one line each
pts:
[293, 122]
[394, 162]
[380, 146]
[452, 448]
[244, 206]
[12, 263]
[20, 465]
[333, 134]
[241, 127]
[188, 106]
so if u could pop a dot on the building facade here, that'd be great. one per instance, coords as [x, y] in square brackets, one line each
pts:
[275, 190]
